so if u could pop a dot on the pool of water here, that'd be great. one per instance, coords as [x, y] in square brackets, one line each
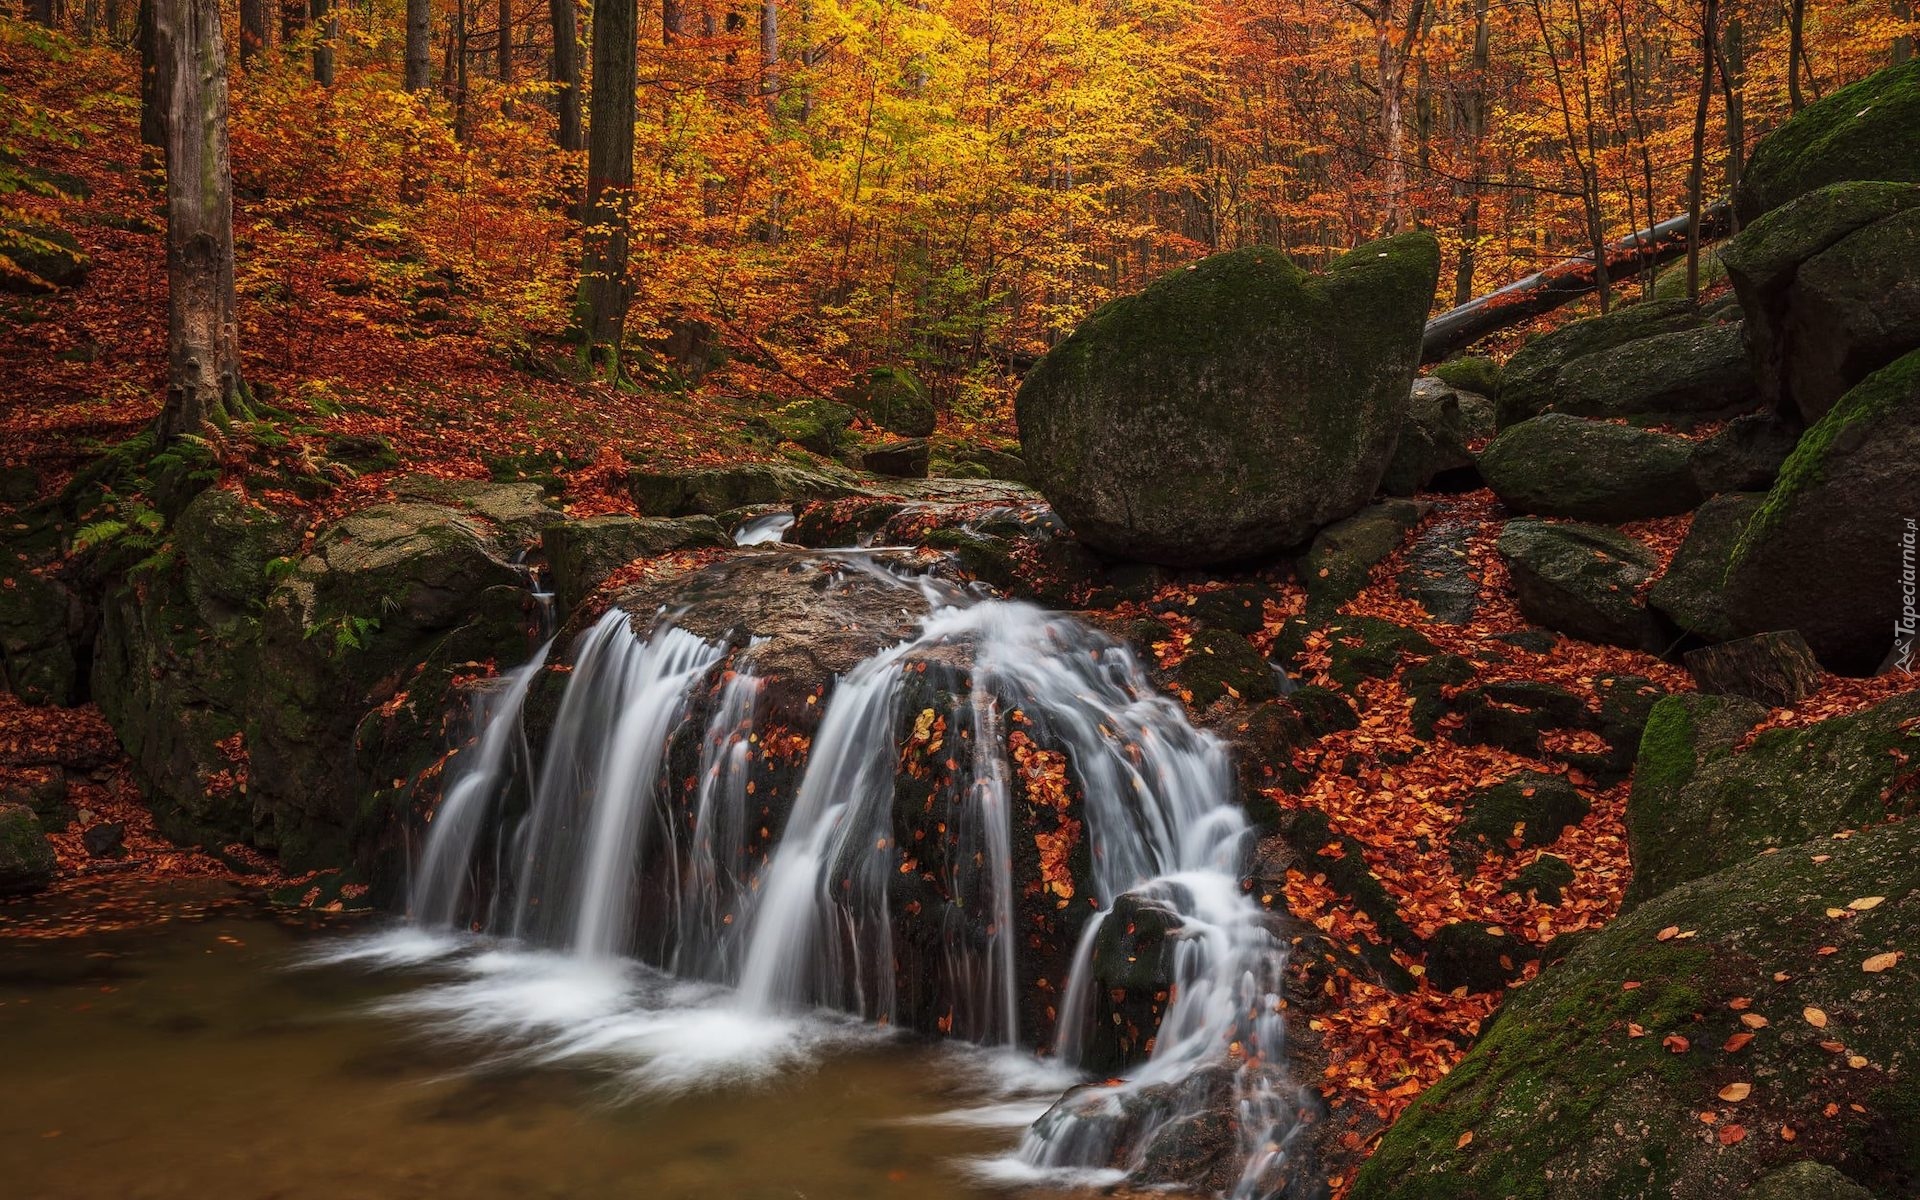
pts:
[209, 1047]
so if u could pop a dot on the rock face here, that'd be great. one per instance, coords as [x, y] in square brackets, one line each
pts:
[894, 399]
[1233, 407]
[711, 491]
[290, 700]
[1869, 130]
[1684, 376]
[1582, 580]
[1824, 555]
[1335, 568]
[1775, 669]
[581, 554]
[26, 860]
[1529, 382]
[1745, 456]
[1564, 1104]
[1702, 802]
[1562, 466]
[1824, 308]
[1444, 424]
[40, 623]
[1690, 591]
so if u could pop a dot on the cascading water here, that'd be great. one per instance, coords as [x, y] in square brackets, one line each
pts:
[642, 835]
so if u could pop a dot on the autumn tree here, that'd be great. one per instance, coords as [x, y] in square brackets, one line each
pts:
[605, 290]
[419, 31]
[566, 74]
[204, 387]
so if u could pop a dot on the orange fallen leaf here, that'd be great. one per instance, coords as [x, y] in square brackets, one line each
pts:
[1731, 1135]
[1866, 902]
[1667, 934]
[1737, 1042]
[1815, 1017]
[1754, 1020]
[1734, 1093]
[1675, 1043]
[1856, 1061]
[1787, 1134]
[1465, 1139]
[1881, 962]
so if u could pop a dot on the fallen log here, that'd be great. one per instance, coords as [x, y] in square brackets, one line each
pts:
[1544, 291]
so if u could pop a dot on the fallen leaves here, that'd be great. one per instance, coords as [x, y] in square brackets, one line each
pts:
[1881, 962]
[1753, 1020]
[1737, 1043]
[1732, 1135]
[1814, 1017]
[1675, 1044]
[1734, 1093]
[1866, 903]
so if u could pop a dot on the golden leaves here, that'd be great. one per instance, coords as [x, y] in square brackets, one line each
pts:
[1881, 962]
[1734, 1093]
[1814, 1017]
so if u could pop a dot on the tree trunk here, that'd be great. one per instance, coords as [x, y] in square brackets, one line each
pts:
[204, 389]
[770, 54]
[503, 62]
[1733, 75]
[1902, 45]
[153, 82]
[566, 73]
[253, 32]
[673, 22]
[419, 43]
[1476, 122]
[326, 32]
[293, 18]
[1796, 53]
[40, 11]
[605, 290]
[1709, 19]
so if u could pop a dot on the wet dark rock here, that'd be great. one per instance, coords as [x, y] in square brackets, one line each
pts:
[1678, 378]
[1582, 580]
[1444, 423]
[1824, 554]
[1220, 663]
[1702, 800]
[26, 858]
[1746, 456]
[1512, 714]
[1690, 592]
[1777, 669]
[1530, 807]
[1234, 407]
[1807, 1180]
[710, 491]
[814, 424]
[1529, 381]
[581, 554]
[1545, 879]
[42, 788]
[1342, 859]
[105, 840]
[1427, 684]
[1439, 571]
[42, 623]
[893, 398]
[1563, 466]
[1470, 955]
[1370, 648]
[968, 460]
[1336, 567]
[906, 460]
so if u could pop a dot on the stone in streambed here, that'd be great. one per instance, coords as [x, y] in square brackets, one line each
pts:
[26, 858]
[1582, 580]
[1232, 408]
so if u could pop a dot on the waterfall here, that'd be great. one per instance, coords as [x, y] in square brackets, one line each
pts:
[643, 836]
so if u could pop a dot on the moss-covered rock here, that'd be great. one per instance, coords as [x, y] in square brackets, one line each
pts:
[1444, 424]
[41, 628]
[902, 460]
[713, 490]
[1563, 466]
[1481, 376]
[1369, 648]
[1746, 456]
[1824, 555]
[1233, 407]
[813, 424]
[978, 460]
[1702, 801]
[1852, 309]
[26, 859]
[42, 258]
[1219, 663]
[581, 554]
[1578, 1089]
[1689, 592]
[1867, 130]
[1807, 1180]
[1528, 380]
[1545, 879]
[1583, 580]
[1474, 956]
[1512, 714]
[1335, 568]
[1677, 378]
[893, 398]
[1530, 808]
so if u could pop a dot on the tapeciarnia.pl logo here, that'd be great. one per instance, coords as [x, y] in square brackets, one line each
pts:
[1904, 625]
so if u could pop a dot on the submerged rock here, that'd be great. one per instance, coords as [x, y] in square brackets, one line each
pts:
[1826, 553]
[1232, 408]
[1564, 1102]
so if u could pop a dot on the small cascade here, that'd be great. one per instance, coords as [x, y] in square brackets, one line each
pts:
[657, 823]
[763, 530]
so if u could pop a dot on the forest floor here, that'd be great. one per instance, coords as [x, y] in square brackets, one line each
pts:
[83, 368]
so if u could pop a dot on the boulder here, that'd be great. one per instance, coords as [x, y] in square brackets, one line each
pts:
[1677, 378]
[1512, 714]
[1545, 879]
[903, 460]
[1826, 553]
[1563, 466]
[710, 491]
[1530, 808]
[1689, 593]
[1807, 1180]
[41, 622]
[1867, 130]
[893, 398]
[1478, 375]
[1745, 456]
[968, 460]
[581, 554]
[1232, 408]
[1444, 426]
[44, 259]
[1582, 580]
[1335, 568]
[26, 859]
[1776, 669]
[1439, 571]
[815, 424]
[1477, 957]
[1528, 381]
[1811, 340]
[1583, 1087]
[1703, 799]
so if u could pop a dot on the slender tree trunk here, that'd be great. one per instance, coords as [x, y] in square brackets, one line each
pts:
[1796, 53]
[503, 63]
[605, 290]
[1733, 74]
[419, 44]
[673, 22]
[153, 81]
[326, 32]
[40, 11]
[1476, 122]
[204, 388]
[293, 18]
[253, 32]
[566, 73]
[1902, 45]
[770, 54]
[1709, 18]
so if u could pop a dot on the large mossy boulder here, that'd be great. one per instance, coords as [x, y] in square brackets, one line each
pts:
[1810, 341]
[1583, 581]
[581, 554]
[1562, 466]
[1592, 1079]
[26, 859]
[1826, 553]
[812, 424]
[1682, 377]
[1529, 381]
[1703, 799]
[1445, 424]
[893, 398]
[1689, 593]
[1232, 408]
[1867, 130]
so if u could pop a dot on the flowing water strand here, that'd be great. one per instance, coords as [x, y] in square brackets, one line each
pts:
[717, 877]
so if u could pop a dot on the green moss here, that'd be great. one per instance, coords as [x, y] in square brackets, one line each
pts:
[1220, 662]
[1666, 757]
[1541, 806]
[1867, 130]
[1481, 375]
[1545, 878]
